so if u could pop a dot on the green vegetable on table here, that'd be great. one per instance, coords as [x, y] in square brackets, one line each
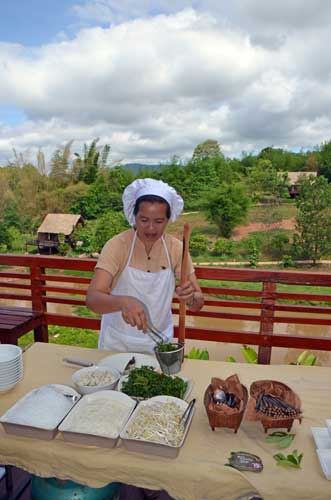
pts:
[291, 460]
[282, 439]
[145, 382]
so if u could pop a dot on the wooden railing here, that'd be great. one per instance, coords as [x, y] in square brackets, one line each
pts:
[45, 280]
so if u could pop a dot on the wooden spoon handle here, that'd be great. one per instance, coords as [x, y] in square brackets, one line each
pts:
[183, 279]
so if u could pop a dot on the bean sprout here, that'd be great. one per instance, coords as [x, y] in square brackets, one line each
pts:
[158, 423]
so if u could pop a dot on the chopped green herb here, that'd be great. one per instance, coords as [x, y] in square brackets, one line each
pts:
[167, 347]
[145, 382]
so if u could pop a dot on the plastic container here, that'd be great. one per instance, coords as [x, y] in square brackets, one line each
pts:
[56, 489]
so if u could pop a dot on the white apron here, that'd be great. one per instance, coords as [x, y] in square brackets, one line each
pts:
[155, 290]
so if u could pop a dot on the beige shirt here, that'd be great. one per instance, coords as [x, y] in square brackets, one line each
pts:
[115, 254]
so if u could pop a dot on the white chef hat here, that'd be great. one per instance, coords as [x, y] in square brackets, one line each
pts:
[143, 187]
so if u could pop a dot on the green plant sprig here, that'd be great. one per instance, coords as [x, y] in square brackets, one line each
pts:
[291, 460]
[196, 353]
[281, 439]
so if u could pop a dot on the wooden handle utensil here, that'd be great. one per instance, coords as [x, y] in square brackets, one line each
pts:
[183, 279]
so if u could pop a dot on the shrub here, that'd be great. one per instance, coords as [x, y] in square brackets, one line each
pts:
[224, 247]
[252, 250]
[97, 232]
[198, 244]
[279, 244]
[287, 261]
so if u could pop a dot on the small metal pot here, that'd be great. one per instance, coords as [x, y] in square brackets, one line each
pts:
[170, 361]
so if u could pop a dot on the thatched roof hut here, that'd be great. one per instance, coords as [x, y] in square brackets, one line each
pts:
[60, 223]
[294, 177]
[55, 224]
[294, 181]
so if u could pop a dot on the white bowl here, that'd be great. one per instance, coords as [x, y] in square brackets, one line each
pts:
[9, 352]
[98, 371]
[8, 387]
[10, 380]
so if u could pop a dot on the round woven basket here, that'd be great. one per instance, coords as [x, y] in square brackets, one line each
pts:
[216, 417]
[280, 390]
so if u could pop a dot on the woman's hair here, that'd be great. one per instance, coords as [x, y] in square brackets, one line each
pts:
[151, 198]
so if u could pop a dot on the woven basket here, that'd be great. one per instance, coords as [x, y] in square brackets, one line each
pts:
[216, 417]
[282, 391]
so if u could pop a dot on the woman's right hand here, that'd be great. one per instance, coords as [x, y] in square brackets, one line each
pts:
[134, 314]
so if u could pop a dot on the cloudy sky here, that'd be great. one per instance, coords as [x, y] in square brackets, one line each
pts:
[155, 78]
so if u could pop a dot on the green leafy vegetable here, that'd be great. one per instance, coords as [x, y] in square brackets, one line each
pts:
[167, 347]
[231, 359]
[291, 460]
[145, 382]
[282, 439]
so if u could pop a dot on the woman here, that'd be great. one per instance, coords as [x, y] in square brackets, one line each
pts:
[135, 276]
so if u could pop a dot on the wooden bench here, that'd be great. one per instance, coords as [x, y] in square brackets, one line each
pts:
[16, 321]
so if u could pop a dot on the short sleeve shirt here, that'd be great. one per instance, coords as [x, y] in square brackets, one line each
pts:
[114, 255]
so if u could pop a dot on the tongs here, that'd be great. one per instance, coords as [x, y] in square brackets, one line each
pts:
[155, 334]
[152, 331]
[187, 413]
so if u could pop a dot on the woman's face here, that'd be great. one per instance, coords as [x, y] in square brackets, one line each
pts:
[151, 221]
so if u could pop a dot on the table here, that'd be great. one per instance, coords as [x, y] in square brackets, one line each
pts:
[16, 321]
[198, 473]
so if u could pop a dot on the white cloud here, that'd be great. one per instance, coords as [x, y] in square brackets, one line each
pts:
[161, 82]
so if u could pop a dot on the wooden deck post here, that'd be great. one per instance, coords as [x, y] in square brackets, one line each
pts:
[41, 331]
[266, 323]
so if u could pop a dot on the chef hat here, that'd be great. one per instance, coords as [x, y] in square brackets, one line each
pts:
[143, 187]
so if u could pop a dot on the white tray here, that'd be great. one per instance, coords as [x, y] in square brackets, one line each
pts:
[321, 437]
[325, 461]
[149, 447]
[24, 418]
[92, 437]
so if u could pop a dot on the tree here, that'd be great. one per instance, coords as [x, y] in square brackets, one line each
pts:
[265, 179]
[86, 168]
[324, 160]
[227, 207]
[311, 164]
[94, 234]
[313, 221]
[59, 174]
[207, 149]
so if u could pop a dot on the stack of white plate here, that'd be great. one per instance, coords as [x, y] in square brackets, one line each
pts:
[11, 366]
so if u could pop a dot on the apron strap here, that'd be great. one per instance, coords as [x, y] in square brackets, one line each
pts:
[131, 249]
